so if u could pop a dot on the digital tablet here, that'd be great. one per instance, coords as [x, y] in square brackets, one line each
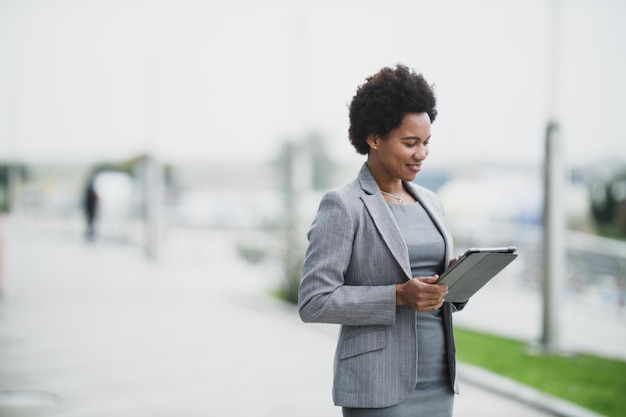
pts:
[474, 269]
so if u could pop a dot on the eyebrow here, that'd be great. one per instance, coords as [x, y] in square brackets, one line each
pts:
[414, 138]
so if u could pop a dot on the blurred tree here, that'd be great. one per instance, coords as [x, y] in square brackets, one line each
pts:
[608, 204]
[130, 166]
[6, 170]
[288, 289]
[323, 166]
[296, 156]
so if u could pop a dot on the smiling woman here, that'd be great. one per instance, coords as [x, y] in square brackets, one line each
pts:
[376, 248]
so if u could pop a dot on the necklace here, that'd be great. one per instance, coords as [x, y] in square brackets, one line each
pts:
[399, 198]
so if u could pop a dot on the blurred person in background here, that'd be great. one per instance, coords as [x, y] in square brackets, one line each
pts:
[376, 247]
[90, 207]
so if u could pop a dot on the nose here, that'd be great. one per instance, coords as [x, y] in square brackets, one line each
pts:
[421, 152]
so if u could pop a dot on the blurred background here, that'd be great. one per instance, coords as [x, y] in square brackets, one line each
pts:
[233, 115]
[210, 129]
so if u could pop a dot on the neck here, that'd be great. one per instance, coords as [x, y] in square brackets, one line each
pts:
[396, 190]
[386, 184]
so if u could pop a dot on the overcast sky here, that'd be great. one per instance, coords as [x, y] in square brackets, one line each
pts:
[90, 80]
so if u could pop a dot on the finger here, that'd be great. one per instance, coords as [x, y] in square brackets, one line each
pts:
[427, 302]
[437, 289]
[429, 307]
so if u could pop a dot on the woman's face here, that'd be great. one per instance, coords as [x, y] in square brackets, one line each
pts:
[401, 154]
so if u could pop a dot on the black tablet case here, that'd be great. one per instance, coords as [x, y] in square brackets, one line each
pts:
[472, 271]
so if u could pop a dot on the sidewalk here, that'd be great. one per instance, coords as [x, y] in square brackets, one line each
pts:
[99, 330]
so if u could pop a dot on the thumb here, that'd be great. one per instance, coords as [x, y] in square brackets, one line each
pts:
[430, 280]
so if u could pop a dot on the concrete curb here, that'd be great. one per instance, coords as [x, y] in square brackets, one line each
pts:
[521, 392]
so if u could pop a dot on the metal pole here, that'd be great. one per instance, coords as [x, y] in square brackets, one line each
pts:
[153, 173]
[13, 174]
[553, 240]
[554, 213]
[153, 201]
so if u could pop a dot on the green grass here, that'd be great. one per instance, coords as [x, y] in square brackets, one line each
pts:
[592, 382]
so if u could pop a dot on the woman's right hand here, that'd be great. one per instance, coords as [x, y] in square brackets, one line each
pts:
[422, 294]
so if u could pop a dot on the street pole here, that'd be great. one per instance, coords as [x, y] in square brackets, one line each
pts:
[553, 239]
[13, 168]
[153, 200]
[153, 164]
[553, 214]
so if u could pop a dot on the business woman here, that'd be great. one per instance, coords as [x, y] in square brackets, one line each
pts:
[375, 250]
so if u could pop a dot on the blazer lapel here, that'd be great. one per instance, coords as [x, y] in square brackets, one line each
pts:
[384, 220]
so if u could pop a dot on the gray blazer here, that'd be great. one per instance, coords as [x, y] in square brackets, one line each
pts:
[355, 258]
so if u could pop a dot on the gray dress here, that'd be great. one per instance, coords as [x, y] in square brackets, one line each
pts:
[432, 395]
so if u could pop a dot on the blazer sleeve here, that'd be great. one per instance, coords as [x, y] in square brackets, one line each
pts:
[323, 295]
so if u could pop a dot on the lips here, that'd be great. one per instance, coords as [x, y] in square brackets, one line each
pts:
[414, 167]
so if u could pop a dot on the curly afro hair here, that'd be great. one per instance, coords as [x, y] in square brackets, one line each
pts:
[381, 103]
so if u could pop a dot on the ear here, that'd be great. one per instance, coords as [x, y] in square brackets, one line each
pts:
[372, 141]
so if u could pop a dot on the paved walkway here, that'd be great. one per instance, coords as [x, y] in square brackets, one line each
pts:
[99, 330]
